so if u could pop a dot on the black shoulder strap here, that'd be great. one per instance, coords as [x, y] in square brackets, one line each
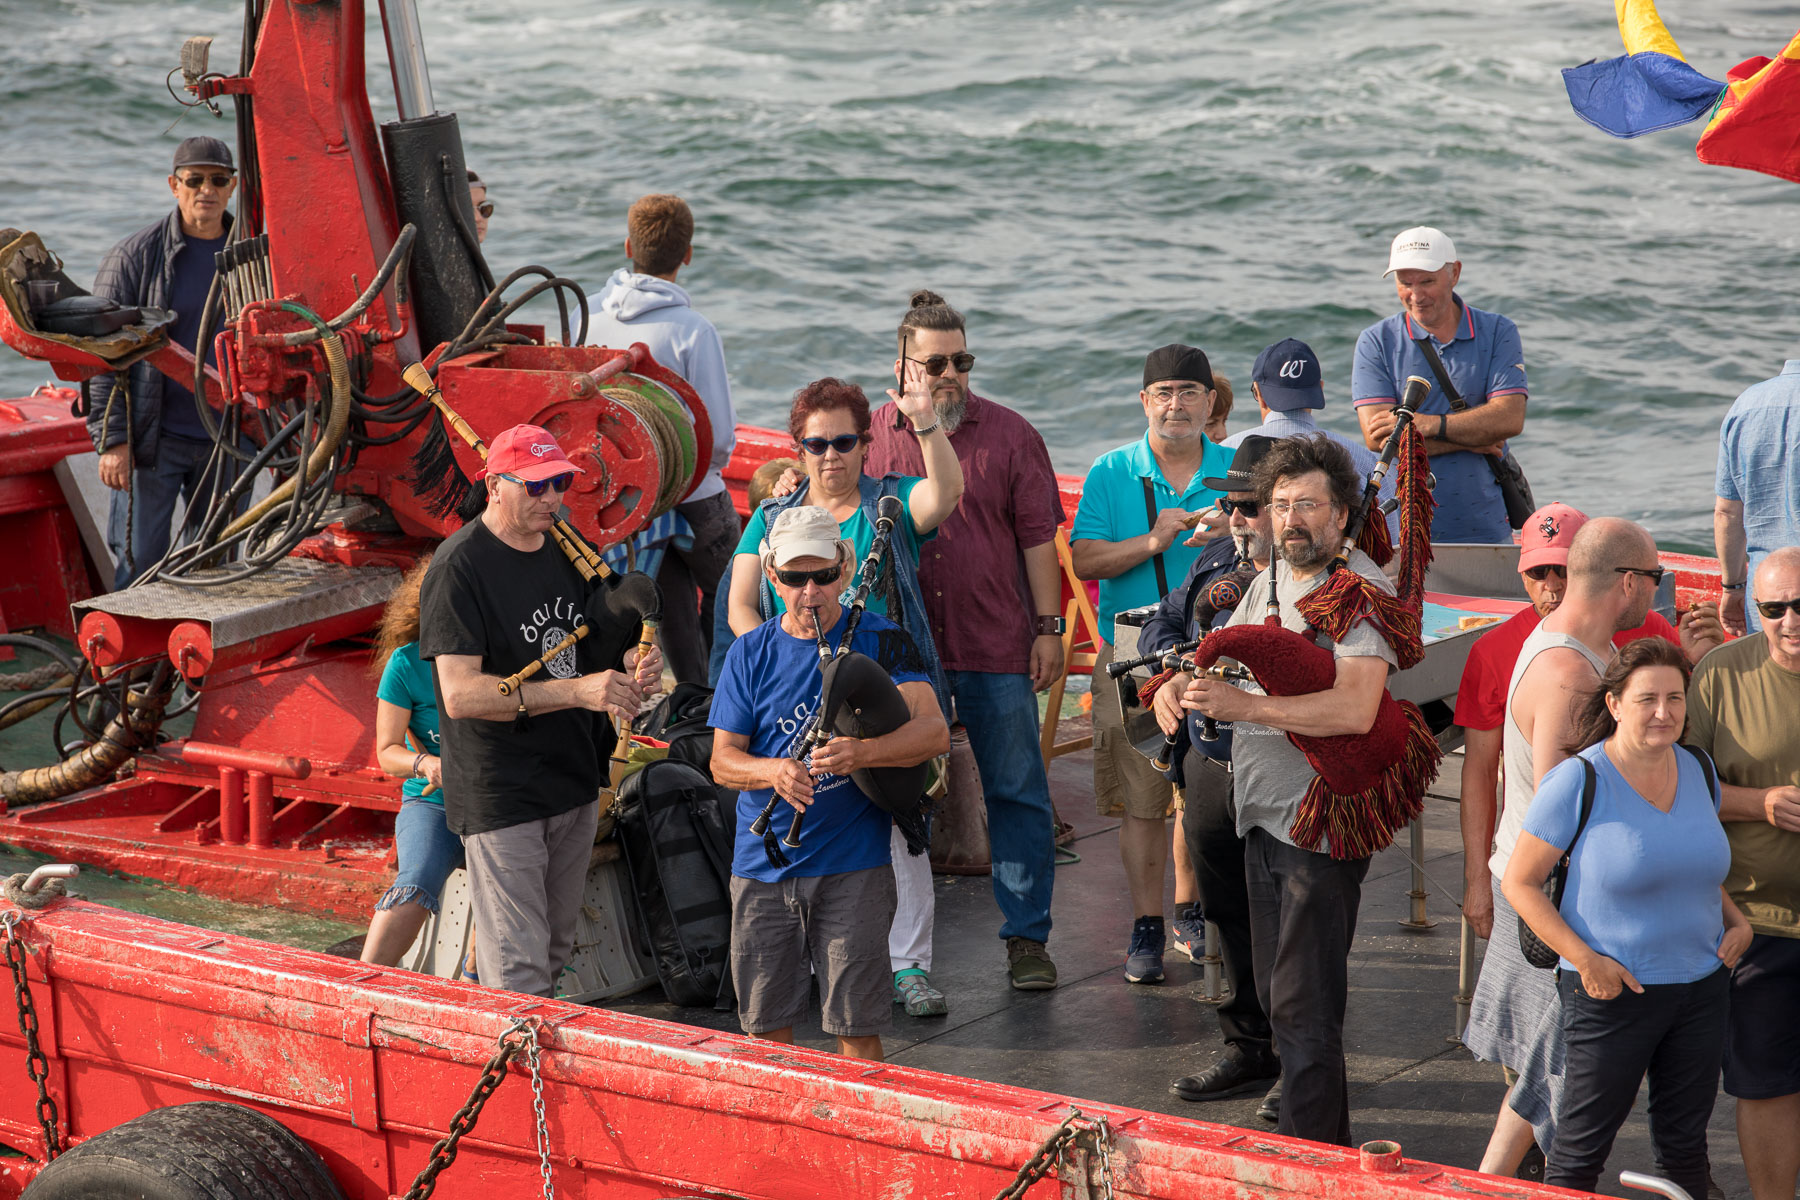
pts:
[1162, 574]
[1706, 765]
[1588, 782]
[1457, 403]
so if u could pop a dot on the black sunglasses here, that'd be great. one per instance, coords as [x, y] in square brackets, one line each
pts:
[535, 487]
[1654, 576]
[1774, 610]
[824, 576]
[934, 364]
[1544, 571]
[195, 181]
[485, 208]
[1248, 507]
[843, 443]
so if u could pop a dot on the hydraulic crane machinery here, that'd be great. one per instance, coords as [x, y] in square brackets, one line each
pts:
[352, 257]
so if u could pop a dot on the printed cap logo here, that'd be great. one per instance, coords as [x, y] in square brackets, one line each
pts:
[1548, 527]
[1293, 368]
[542, 448]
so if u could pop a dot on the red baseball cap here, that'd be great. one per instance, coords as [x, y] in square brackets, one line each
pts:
[527, 452]
[1547, 534]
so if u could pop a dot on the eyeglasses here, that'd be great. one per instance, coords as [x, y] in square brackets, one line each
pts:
[1184, 396]
[196, 182]
[934, 364]
[1540, 573]
[1774, 610]
[535, 487]
[824, 576]
[1300, 508]
[1654, 575]
[1248, 507]
[485, 208]
[843, 443]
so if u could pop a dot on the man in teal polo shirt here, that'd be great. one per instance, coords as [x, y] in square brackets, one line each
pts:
[1482, 355]
[1131, 533]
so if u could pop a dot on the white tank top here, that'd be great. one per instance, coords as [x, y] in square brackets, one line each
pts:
[1515, 755]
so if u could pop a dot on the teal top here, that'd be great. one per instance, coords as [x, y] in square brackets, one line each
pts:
[1112, 510]
[860, 532]
[407, 682]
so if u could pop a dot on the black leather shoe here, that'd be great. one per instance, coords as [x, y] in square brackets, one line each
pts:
[1270, 1109]
[1230, 1076]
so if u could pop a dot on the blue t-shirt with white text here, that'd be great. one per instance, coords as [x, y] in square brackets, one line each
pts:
[406, 682]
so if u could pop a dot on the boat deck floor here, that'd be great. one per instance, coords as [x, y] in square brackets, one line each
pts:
[1100, 1038]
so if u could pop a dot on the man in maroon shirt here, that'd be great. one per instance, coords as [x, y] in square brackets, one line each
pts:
[992, 595]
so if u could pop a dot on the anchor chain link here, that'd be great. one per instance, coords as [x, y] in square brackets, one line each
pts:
[36, 1065]
[1053, 1155]
[519, 1036]
[537, 1110]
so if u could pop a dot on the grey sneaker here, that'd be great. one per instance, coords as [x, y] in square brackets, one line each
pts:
[1029, 965]
[1144, 958]
[914, 990]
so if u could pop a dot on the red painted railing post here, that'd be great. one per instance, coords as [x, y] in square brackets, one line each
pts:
[231, 806]
[262, 810]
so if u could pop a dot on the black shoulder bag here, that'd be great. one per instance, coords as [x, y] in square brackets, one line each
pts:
[1537, 952]
[1515, 489]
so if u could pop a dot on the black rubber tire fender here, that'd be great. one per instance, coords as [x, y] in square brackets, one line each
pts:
[202, 1151]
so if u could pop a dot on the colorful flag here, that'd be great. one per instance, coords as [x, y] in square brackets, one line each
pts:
[1757, 126]
[1650, 88]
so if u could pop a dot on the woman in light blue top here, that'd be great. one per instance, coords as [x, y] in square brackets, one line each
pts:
[1646, 932]
[406, 744]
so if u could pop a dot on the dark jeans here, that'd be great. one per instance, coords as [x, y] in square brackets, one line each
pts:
[179, 472]
[690, 584]
[1302, 921]
[1209, 825]
[1675, 1032]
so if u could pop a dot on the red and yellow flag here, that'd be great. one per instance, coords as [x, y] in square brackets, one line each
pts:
[1757, 124]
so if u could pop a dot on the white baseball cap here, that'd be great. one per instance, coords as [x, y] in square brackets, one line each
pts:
[803, 531]
[1420, 248]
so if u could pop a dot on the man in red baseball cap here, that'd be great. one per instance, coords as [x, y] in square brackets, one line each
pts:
[522, 773]
[1481, 709]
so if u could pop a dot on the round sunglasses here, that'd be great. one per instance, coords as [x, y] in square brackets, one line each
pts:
[535, 487]
[824, 576]
[843, 443]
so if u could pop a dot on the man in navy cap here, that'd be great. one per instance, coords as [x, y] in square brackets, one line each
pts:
[153, 443]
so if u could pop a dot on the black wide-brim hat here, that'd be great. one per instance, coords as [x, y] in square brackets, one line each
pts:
[1238, 476]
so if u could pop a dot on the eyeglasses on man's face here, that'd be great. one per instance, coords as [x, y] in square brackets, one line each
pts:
[535, 487]
[935, 364]
[1299, 508]
[1544, 571]
[1774, 610]
[1181, 396]
[1653, 574]
[1247, 507]
[824, 576]
[196, 182]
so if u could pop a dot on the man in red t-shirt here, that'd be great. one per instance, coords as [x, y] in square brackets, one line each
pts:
[1481, 698]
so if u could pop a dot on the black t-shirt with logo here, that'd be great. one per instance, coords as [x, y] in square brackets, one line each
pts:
[483, 597]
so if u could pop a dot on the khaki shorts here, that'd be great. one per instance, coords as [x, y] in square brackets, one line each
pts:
[838, 923]
[1125, 782]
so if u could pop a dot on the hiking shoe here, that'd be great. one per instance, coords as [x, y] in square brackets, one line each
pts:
[1029, 965]
[1143, 960]
[1270, 1109]
[1190, 932]
[1233, 1075]
[914, 990]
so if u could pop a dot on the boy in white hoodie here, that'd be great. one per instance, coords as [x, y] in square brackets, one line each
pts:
[643, 303]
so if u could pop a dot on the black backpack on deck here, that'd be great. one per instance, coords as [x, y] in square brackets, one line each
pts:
[675, 831]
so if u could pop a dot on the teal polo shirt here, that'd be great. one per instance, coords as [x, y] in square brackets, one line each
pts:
[1113, 510]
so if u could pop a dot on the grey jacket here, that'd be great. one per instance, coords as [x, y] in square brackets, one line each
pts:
[138, 272]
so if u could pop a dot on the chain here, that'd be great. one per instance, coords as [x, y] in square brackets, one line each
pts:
[529, 1035]
[1103, 1136]
[444, 1153]
[1039, 1164]
[36, 1065]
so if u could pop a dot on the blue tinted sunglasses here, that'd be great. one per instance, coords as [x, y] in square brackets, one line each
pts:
[534, 489]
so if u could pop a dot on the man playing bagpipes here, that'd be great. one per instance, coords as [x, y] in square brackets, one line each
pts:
[1327, 765]
[825, 896]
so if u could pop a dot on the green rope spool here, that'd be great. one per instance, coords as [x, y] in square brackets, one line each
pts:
[669, 424]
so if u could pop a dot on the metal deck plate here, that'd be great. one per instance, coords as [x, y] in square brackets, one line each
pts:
[293, 592]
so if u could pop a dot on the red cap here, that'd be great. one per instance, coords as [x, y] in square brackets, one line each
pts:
[527, 452]
[1547, 534]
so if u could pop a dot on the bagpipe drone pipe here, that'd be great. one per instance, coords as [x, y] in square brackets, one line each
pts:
[858, 699]
[1368, 786]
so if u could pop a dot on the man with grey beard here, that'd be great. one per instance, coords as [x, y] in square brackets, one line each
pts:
[1303, 903]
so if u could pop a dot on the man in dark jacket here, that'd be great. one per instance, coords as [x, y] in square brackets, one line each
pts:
[153, 442]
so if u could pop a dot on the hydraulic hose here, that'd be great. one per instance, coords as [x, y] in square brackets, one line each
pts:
[134, 726]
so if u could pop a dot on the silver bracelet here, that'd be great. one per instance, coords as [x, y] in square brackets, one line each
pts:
[931, 428]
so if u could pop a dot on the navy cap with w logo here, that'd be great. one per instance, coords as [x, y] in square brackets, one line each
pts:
[1289, 377]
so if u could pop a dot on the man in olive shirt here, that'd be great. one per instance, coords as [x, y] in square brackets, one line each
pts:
[1741, 709]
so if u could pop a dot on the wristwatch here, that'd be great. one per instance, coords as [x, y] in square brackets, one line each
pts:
[1050, 627]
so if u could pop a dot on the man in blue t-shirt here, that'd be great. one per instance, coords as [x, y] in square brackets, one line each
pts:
[1483, 357]
[154, 446]
[832, 902]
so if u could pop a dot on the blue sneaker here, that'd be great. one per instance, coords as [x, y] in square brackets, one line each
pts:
[1190, 932]
[1143, 961]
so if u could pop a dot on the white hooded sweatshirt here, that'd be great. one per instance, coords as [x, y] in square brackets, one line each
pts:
[642, 308]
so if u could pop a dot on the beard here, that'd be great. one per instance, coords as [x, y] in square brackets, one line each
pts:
[951, 404]
[1306, 553]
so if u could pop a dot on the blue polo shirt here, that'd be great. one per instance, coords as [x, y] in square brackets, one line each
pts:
[1485, 360]
[1759, 466]
[1112, 510]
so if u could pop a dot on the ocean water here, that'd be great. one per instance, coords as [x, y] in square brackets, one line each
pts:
[1085, 180]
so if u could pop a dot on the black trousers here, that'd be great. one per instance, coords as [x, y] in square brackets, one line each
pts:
[690, 583]
[1673, 1032]
[1302, 921]
[1209, 826]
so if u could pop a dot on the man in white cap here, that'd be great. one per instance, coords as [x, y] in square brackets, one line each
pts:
[1481, 354]
[830, 904]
